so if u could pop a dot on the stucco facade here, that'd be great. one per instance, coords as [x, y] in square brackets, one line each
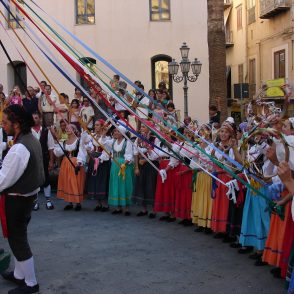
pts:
[124, 35]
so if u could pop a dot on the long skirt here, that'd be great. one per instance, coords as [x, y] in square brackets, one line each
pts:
[220, 206]
[165, 192]
[273, 249]
[97, 184]
[71, 186]
[145, 184]
[255, 220]
[120, 189]
[183, 195]
[202, 201]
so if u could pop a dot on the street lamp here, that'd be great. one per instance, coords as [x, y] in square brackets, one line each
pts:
[185, 65]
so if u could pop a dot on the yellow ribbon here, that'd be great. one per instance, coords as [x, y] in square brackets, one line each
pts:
[122, 171]
[256, 185]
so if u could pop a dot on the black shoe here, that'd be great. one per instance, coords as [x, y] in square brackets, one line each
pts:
[78, 207]
[104, 209]
[171, 219]
[9, 276]
[127, 213]
[142, 213]
[199, 230]
[255, 256]
[235, 245]
[275, 270]
[117, 211]
[49, 205]
[245, 250]
[187, 223]
[25, 290]
[164, 218]
[259, 262]
[229, 239]
[152, 215]
[219, 236]
[68, 207]
[98, 208]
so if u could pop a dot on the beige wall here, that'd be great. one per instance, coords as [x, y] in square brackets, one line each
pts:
[124, 35]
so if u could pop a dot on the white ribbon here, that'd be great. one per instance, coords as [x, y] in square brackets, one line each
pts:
[232, 188]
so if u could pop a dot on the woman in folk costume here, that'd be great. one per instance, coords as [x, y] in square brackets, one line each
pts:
[184, 182]
[256, 216]
[97, 179]
[281, 233]
[121, 172]
[166, 191]
[202, 196]
[71, 179]
[220, 208]
[145, 173]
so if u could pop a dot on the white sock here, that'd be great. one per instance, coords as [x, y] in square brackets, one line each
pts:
[28, 269]
[18, 274]
[47, 191]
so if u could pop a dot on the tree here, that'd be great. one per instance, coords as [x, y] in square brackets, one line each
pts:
[217, 54]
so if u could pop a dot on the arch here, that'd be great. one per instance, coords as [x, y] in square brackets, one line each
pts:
[159, 71]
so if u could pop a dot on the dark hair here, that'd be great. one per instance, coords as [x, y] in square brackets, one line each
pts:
[36, 113]
[152, 90]
[75, 101]
[47, 85]
[43, 82]
[17, 114]
[116, 77]
[62, 122]
[212, 108]
[170, 104]
[141, 86]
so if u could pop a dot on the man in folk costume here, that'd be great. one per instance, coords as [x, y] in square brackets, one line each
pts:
[47, 143]
[21, 177]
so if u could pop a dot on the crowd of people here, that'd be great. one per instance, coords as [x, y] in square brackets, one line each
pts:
[221, 178]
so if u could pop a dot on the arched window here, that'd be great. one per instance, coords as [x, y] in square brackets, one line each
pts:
[17, 75]
[159, 70]
[89, 62]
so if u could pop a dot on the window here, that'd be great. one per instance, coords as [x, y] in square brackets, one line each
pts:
[240, 74]
[239, 17]
[12, 23]
[159, 10]
[85, 11]
[251, 11]
[280, 64]
[159, 67]
[252, 77]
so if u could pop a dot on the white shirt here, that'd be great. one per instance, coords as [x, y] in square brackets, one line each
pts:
[142, 109]
[50, 140]
[46, 107]
[3, 145]
[87, 113]
[13, 166]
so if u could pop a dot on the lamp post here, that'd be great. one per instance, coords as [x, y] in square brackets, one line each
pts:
[186, 65]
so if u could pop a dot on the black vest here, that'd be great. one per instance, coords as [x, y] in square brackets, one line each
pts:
[33, 176]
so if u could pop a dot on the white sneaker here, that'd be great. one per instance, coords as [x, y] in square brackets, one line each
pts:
[49, 205]
[36, 207]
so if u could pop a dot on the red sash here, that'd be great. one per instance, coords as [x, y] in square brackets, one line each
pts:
[3, 215]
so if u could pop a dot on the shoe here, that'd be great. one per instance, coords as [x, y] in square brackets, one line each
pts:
[187, 223]
[68, 207]
[245, 250]
[152, 215]
[235, 245]
[25, 290]
[255, 256]
[259, 262]
[78, 207]
[98, 208]
[36, 207]
[275, 270]
[199, 230]
[164, 218]
[104, 208]
[117, 211]
[229, 239]
[171, 219]
[219, 236]
[9, 276]
[127, 213]
[207, 231]
[49, 205]
[142, 213]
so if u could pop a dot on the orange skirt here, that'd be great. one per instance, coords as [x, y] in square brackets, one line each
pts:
[71, 186]
[273, 250]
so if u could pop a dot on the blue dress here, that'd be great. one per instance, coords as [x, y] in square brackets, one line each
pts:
[255, 221]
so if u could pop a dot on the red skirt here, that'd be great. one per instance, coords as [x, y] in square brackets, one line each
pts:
[183, 197]
[220, 206]
[165, 192]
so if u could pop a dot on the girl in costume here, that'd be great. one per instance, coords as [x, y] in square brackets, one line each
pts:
[71, 180]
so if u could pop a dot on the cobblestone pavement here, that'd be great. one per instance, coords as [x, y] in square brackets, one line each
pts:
[94, 252]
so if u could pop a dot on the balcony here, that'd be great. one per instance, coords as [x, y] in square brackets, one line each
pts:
[227, 3]
[270, 8]
[229, 39]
